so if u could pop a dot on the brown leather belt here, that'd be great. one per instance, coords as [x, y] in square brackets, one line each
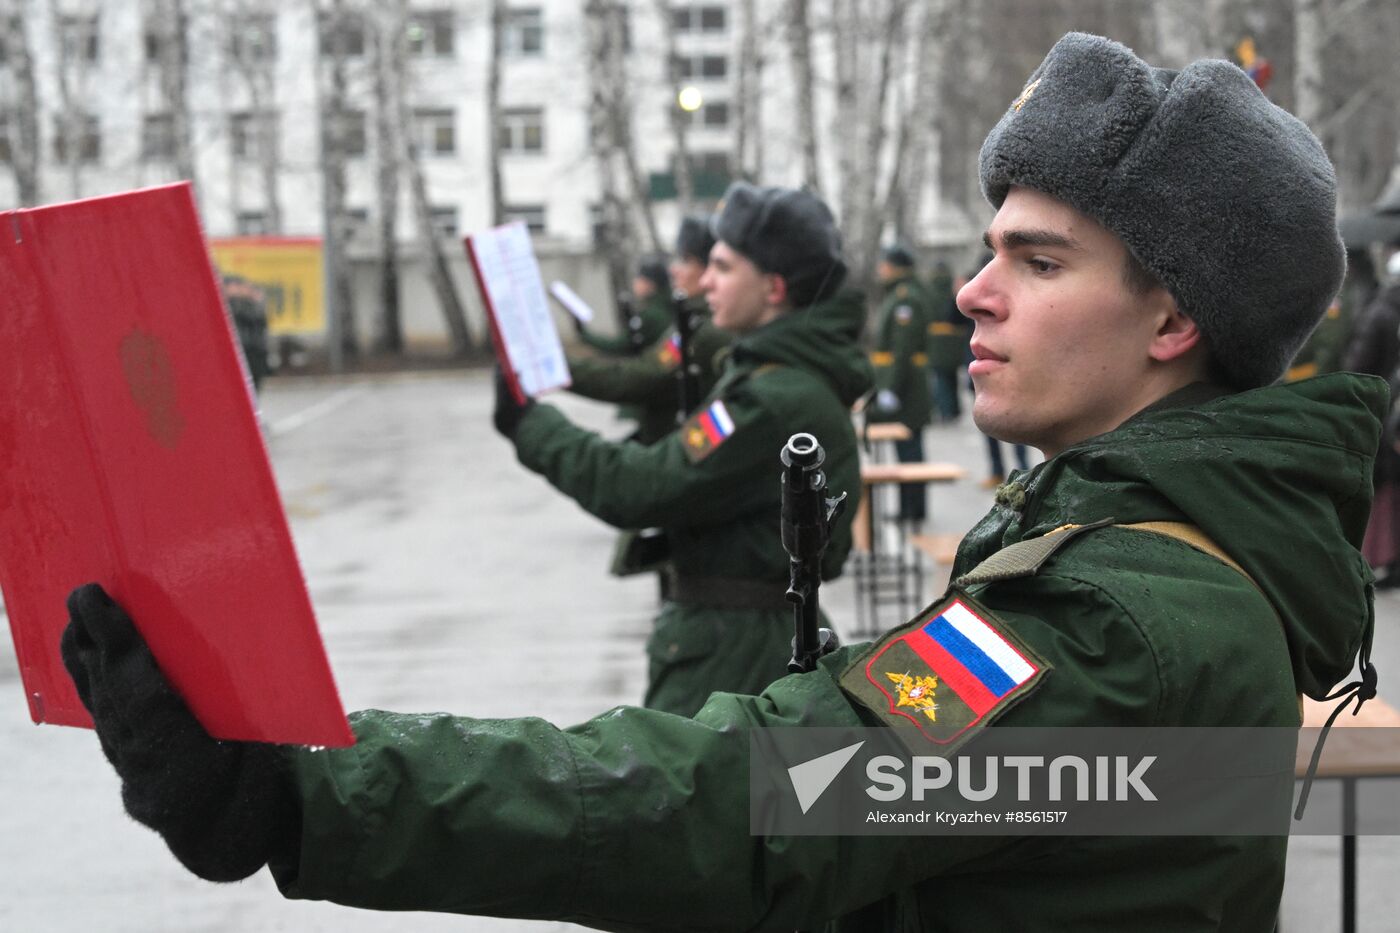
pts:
[728, 593]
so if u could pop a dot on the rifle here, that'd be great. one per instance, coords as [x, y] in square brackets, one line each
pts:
[687, 374]
[807, 518]
[631, 323]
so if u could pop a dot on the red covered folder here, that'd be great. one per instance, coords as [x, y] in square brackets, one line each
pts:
[130, 455]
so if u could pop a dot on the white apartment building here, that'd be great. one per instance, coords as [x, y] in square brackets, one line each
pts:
[124, 139]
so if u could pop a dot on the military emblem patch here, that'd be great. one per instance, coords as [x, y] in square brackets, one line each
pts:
[704, 431]
[950, 672]
[670, 353]
[904, 314]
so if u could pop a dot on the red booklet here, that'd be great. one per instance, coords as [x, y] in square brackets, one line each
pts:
[130, 455]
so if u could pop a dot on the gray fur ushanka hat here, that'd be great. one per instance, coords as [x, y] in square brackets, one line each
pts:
[1228, 199]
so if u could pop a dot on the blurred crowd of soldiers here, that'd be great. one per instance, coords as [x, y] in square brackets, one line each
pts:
[1361, 333]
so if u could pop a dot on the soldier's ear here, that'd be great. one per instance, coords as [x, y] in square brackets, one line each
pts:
[776, 294]
[1175, 334]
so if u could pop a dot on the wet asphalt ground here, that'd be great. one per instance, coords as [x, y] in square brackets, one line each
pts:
[446, 577]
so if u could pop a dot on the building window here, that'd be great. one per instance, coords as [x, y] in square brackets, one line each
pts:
[355, 222]
[524, 35]
[532, 214]
[87, 138]
[522, 130]
[348, 132]
[11, 26]
[158, 137]
[252, 135]
[430, 33]
[343, 34]
[715, 114]
[708, 67]
[253, 38]
[78, 38]
[444, 221]
[154, 44]
[251, 223]
[709, 163]
[435, 132]
[691, 19]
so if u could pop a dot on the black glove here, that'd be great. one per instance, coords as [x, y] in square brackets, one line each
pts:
[509, 412]
[224, 808]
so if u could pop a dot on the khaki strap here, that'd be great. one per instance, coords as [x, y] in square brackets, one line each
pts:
[1195, 537]
[1026, 557]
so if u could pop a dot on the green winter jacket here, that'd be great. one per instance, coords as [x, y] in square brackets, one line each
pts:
[649, 381]
[638, 820]
[900, 356]
[649, 319]
[726, 625]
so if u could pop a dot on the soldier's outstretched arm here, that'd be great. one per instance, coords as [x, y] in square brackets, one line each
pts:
[632, 379]
[701, 474]
[635, 820]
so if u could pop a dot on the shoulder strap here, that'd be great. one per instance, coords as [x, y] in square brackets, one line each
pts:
[1025, 558]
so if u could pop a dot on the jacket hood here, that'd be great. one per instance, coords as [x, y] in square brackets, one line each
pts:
[821, 339]
[1279, 477]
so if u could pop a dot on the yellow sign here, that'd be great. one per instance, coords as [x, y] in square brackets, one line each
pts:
[287, 269]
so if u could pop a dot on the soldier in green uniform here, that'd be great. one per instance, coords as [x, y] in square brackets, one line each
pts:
[948, 333]
[709, 484]
[652, 384]
[900, 359]
[650, 380]
[646, 314]
[1146, 574]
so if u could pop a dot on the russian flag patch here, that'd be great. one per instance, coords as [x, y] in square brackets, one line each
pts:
[949, 672]
[670, 353]
[706, 430]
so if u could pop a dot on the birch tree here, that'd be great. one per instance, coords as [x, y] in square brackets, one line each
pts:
[254, 69]
[24, 104]
[1308, 41]
[172, 22]
[439, 272]
[921, 127]
[799, 37]
[334, 120]
[499, 11]
[868, 37]
[1187, 30]
[70, 73]
[623, 195]
[747, 157]
[679, 118]
[388, 30]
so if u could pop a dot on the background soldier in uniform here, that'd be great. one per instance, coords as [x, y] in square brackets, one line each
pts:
[649, 381]
[1128, 328]
[711, 484]
[948, 333]
[645, 314]
[900, 359]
